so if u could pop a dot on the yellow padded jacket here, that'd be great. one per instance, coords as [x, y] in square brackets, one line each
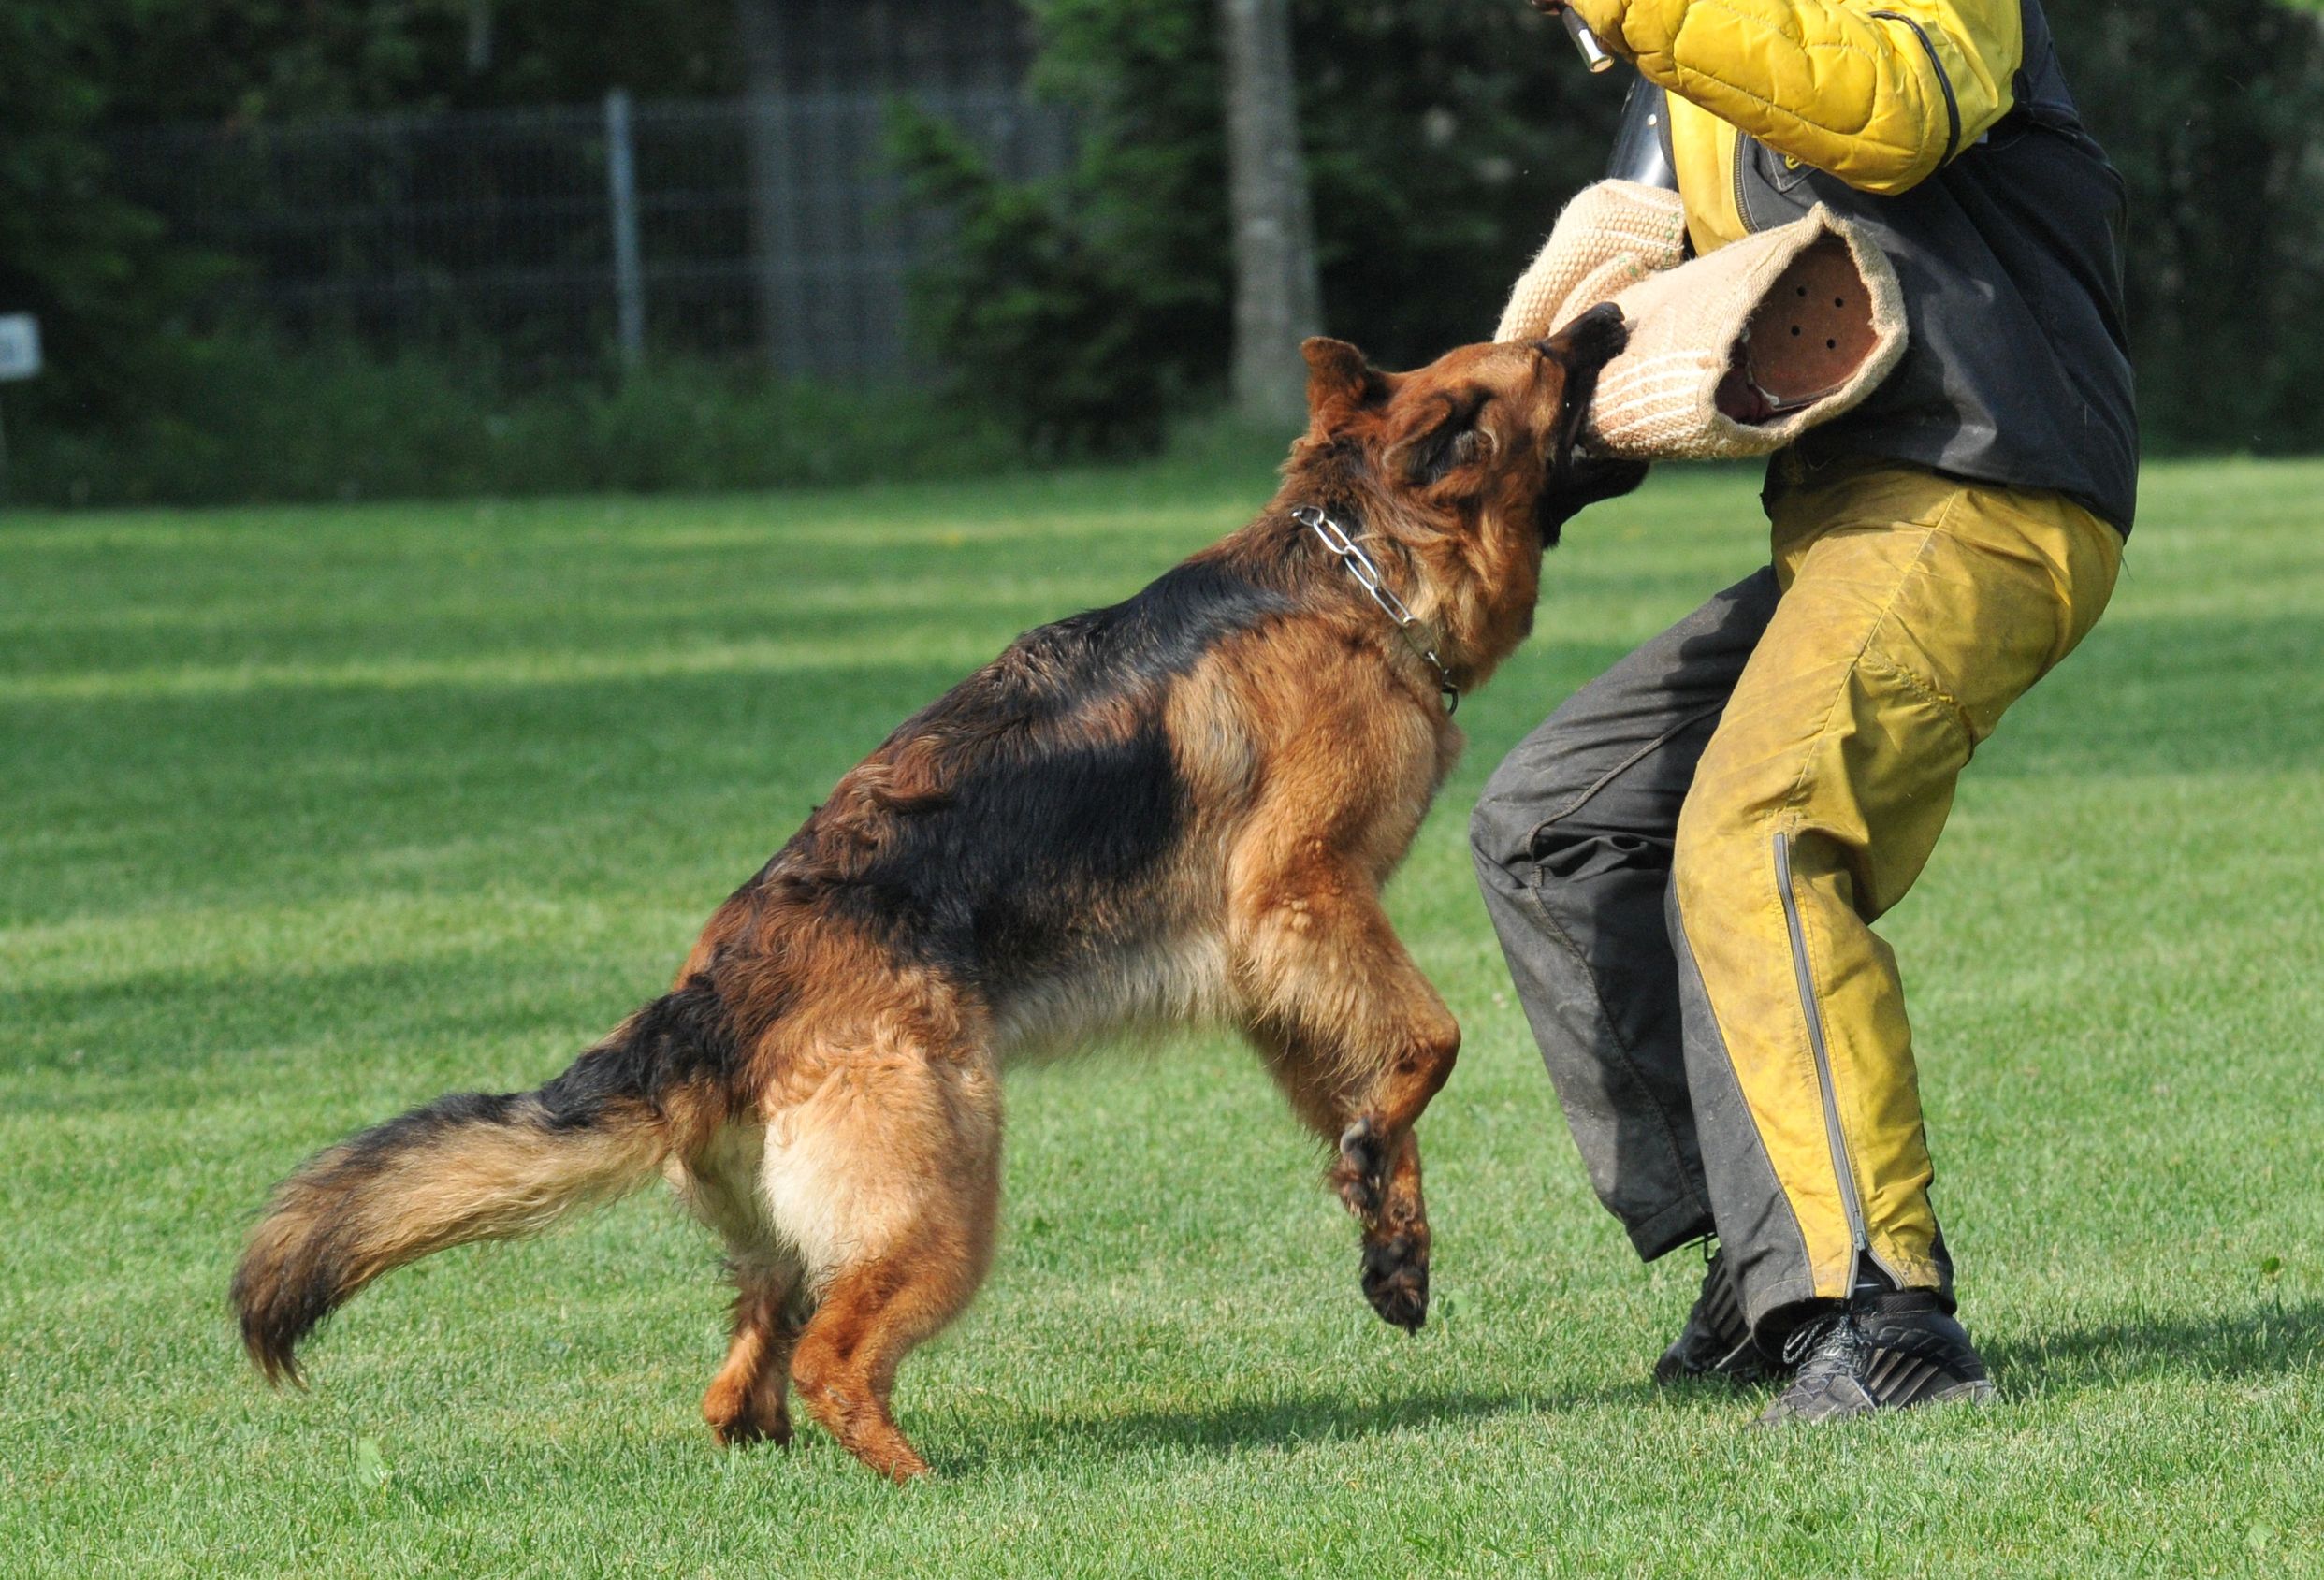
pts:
[1879, 93]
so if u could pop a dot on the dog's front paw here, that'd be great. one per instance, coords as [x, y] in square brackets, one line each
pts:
[1395, 1280]
[1361, 1175]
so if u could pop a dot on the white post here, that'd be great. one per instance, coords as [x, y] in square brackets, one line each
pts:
[621, 195]
[20, 358]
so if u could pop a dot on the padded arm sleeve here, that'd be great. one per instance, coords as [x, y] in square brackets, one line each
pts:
[1880, 93]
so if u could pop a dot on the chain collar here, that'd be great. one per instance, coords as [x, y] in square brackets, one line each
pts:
[1366, 570]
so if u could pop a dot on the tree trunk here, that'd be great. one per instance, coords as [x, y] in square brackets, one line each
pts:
[1278, 302]
[774, 207]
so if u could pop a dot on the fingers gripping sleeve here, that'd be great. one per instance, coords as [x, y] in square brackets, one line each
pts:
[1880, 93]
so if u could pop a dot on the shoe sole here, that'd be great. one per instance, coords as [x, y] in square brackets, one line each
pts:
[1978, 1392]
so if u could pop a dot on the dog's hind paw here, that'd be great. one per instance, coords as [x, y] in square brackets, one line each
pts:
[745, 1433]
[1396, 1281]
[740, 1416]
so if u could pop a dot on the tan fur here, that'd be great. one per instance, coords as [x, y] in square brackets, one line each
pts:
[374, 1218]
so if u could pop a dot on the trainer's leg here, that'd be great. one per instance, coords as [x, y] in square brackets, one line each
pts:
[1915, 611]
[1573, 841]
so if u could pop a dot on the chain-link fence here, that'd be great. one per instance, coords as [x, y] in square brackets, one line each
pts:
[558, 238]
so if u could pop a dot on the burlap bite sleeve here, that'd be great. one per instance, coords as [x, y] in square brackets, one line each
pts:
[1733, 354]
[1611, 235]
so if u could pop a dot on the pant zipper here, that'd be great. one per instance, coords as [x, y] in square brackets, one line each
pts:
[1859, 1242]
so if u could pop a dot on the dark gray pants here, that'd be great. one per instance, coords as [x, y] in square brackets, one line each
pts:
[1573, 841]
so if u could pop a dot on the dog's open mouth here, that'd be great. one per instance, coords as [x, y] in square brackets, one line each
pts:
[1577, 478]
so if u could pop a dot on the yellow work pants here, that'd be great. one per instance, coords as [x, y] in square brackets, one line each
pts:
[1915, 609]
[1685, 864]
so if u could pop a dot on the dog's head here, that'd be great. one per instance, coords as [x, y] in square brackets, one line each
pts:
[1471, 465]
[1486, 427]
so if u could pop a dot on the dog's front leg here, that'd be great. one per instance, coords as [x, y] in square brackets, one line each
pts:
[1396, 1244]
[1361, 1042]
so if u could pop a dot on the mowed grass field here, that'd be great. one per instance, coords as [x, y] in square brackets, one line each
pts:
[310, 815]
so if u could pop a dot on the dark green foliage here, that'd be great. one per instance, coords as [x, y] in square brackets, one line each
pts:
[239, 419]
[1038, 322]
[1078, 315]
[201, 59]
[88, 263]
[98, 267]
[1442, 138]
[2215, 114]
[1086, 307]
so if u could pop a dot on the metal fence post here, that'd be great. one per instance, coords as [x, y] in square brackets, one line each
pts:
[20, 358]
[521, 232]
[621, 195]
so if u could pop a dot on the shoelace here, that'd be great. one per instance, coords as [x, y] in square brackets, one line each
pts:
[1813, 1334]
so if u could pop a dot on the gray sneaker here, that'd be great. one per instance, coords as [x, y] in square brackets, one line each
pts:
[1716, 1344]
[1881, 1352]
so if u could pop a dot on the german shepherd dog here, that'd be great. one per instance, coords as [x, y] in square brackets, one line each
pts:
[1179, 809]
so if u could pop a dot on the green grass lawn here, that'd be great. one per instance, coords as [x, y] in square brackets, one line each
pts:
[309, 815]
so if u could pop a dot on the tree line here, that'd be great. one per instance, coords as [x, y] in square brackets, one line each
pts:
[1437, 139]
[1441, 138]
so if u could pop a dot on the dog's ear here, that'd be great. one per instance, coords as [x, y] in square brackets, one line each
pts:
[1340, 383]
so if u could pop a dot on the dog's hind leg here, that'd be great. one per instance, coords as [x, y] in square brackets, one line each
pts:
[888, 1177]
[873, 1315]
[748, 1400]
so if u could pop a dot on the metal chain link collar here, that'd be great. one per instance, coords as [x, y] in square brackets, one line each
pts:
[1366, 570]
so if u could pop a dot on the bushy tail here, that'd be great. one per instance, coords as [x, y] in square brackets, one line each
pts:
[476, 1165]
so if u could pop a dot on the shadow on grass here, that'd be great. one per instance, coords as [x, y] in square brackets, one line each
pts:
[1243, 1427]
[2262, 1340]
